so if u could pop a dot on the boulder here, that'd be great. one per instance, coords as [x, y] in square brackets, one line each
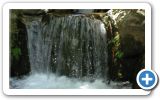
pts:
[132, 32]
[131, 28]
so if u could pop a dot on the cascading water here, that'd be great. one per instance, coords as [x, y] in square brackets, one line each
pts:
[70, 49]
[78, 46]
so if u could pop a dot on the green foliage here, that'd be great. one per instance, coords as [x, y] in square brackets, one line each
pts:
[16, 52]
[119, 54]
[116, 40]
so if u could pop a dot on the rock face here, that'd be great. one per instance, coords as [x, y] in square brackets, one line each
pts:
[77, 11]
[132, 30]
[31, 12]
[131, 26]
[19, 63]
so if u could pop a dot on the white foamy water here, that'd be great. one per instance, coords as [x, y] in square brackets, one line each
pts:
[44, 81]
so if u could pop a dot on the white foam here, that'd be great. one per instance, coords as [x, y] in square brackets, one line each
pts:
[44, 81]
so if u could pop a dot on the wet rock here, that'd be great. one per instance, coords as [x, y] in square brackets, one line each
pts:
[61, 11]
[132, 31]
[35, 12]
[77, 11]
[131, 25]
[19, 60]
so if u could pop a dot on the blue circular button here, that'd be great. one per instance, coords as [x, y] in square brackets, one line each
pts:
[147, 79]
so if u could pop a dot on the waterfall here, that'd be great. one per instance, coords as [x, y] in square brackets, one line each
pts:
[71, 45]
[39, 47]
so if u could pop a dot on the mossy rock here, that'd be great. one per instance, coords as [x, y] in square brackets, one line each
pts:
[19, 59]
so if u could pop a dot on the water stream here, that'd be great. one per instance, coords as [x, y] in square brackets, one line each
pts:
[67, 52]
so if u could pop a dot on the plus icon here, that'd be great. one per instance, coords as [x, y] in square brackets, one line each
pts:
[147, 79]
